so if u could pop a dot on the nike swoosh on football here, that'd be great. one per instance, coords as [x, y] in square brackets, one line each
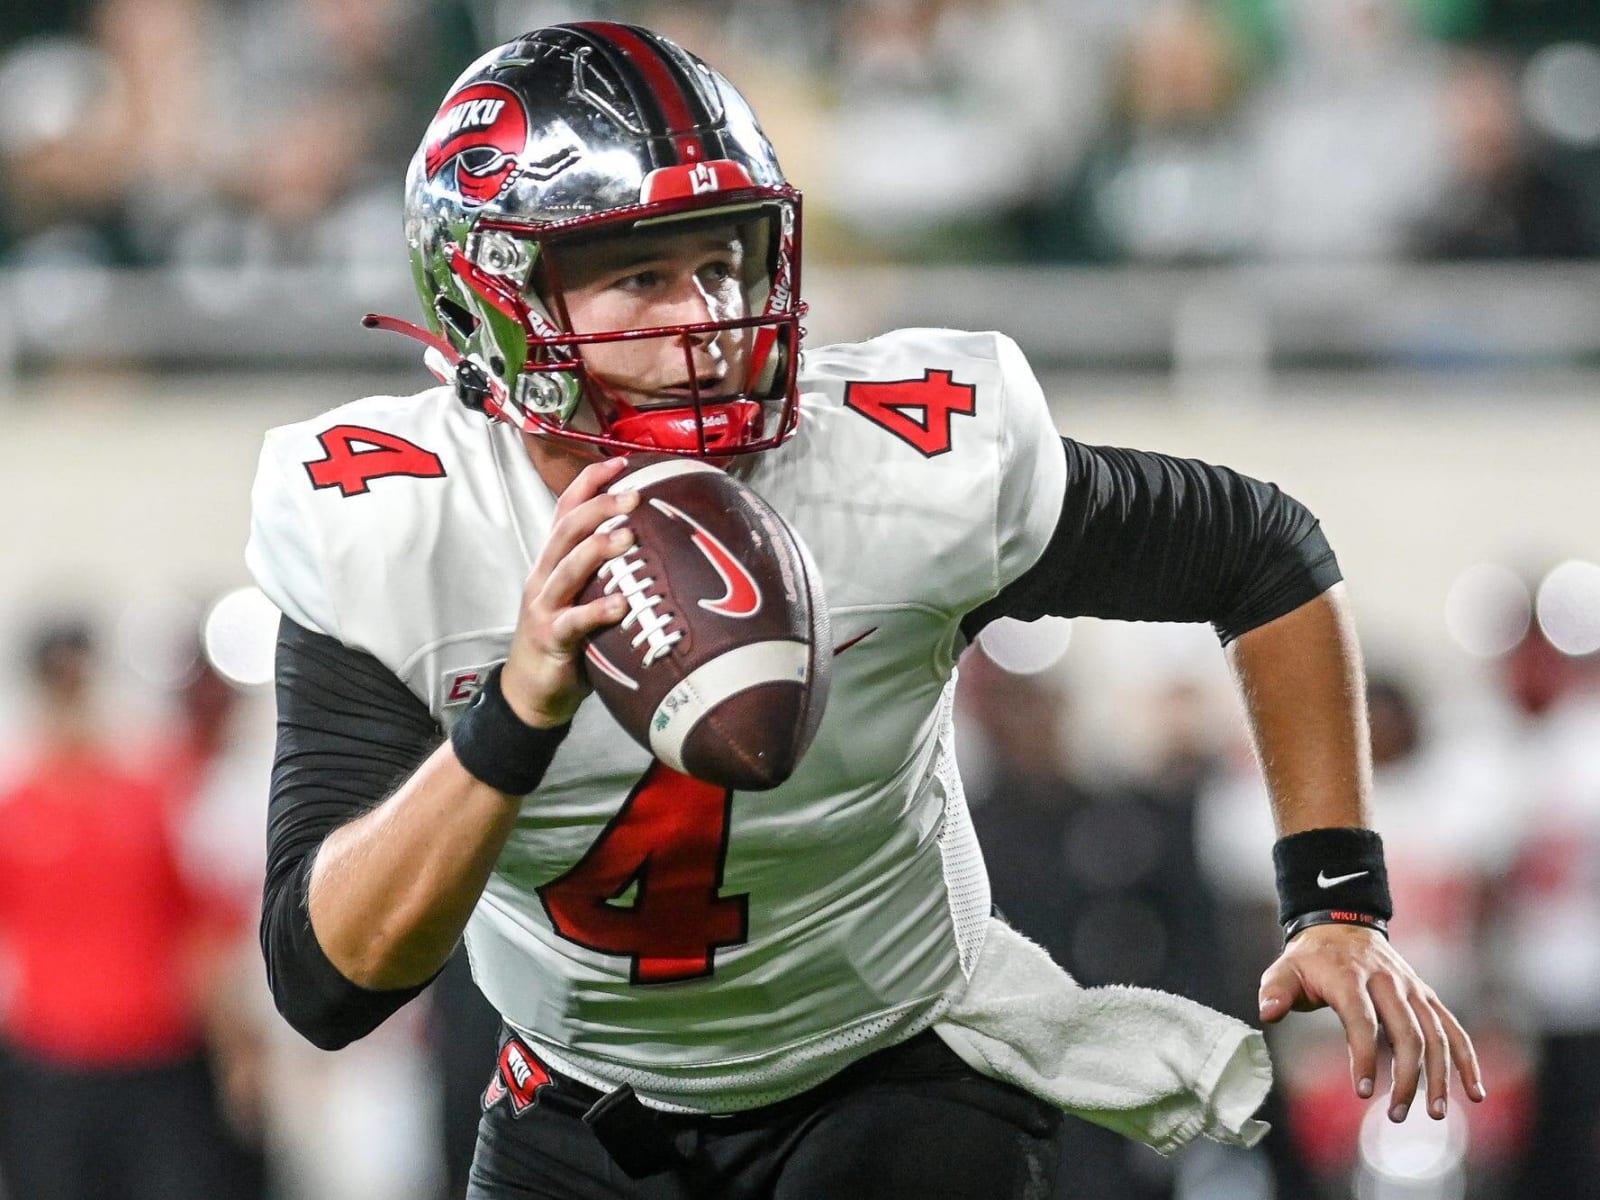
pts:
[741, 595]
[1323, 881]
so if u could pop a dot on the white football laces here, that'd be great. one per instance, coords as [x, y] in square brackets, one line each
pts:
[622, 574]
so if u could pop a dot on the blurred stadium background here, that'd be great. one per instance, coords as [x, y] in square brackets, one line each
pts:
[1350, 245]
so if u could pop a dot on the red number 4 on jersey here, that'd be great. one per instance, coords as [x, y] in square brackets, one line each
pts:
[917, 411]
[382, 454]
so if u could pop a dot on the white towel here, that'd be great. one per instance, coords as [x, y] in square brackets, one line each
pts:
[1153, 1066]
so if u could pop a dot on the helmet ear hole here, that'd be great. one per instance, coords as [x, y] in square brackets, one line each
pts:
[459, 320]
[776, 368]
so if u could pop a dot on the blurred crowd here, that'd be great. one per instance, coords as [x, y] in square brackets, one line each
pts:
[1149, 863]
[230, 134]
[140, 1056]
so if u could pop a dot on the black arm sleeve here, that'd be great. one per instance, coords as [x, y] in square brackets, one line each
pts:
[1147, 537]
[349, 732]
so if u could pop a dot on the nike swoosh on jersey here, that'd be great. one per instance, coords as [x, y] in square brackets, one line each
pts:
[742, 597]
[1324, 881]
[848, 642]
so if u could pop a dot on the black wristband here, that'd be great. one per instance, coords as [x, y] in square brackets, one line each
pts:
[1333, 916]
[1322, 870]
[497, 748]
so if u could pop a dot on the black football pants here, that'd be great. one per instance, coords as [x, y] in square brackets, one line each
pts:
[909, 1123]
[139, 1133]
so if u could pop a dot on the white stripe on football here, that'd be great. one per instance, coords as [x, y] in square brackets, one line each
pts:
[708, 685]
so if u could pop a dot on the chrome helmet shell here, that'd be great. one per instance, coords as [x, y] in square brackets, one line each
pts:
[596, 129]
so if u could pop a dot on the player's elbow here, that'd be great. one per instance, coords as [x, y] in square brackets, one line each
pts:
[318, 1000]
[310, 995]
[314, 1022]
[323, 1006]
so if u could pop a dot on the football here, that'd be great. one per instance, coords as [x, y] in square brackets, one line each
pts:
[720, 669]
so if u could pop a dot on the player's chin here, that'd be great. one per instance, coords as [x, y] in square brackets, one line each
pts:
[681, 397]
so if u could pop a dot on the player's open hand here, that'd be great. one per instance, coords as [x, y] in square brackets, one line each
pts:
[543, 681]
[1358, 974]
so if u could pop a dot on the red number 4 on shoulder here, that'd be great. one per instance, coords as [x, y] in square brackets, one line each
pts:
[917, 411]
[356, 455]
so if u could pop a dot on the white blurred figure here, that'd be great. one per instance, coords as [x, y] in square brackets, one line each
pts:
[1171, 180]
[1348, 135]
[960, 112]
[1549, 911]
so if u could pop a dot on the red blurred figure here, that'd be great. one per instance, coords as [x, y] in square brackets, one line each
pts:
[104, 1086]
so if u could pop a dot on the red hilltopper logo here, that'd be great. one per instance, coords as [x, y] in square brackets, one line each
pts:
[479, 132]
[518, 1075]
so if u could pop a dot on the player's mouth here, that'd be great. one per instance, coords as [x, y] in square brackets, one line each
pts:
[707, 389]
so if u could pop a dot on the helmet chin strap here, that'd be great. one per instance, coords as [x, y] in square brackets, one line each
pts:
[687, 429]
[700, 425]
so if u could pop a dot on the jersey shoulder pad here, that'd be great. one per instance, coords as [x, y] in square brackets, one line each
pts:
[346, 492]
[945, 437]
[931, 388]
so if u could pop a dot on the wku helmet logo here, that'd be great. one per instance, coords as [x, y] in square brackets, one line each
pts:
[477, 135]
[742, 595]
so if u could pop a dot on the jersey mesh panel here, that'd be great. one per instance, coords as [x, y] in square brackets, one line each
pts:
[966, 882]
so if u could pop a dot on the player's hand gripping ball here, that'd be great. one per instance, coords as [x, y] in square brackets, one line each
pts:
[720, 669]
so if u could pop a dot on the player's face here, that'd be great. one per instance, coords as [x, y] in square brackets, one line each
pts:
[646, 281]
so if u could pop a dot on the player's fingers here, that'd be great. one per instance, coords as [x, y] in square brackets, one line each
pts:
[1360, 1019]
[1462, 1052]
[1435, 1054]
[1405, 1040]
[588, 483]
[1280, 991]
[578, 524]
[569, 576]
[574, 624]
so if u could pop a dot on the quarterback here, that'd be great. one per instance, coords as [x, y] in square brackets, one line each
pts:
[800, 992]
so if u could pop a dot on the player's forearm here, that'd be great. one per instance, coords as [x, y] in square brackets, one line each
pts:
[391, 891]
[1302, 683]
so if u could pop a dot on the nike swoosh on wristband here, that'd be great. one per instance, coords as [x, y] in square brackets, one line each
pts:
[1324, 882]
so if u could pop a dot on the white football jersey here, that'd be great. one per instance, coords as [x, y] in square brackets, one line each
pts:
[804, 926]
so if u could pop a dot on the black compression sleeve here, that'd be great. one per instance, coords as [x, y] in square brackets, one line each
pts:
[349, 732]
[1148, 537]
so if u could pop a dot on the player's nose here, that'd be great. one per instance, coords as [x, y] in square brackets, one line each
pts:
[691, 306]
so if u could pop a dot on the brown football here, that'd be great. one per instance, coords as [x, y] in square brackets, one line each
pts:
[720, 669]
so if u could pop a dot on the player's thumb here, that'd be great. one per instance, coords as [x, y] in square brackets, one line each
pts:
[1279, 990]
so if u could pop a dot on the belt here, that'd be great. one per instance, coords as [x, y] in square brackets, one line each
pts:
[644, 1141]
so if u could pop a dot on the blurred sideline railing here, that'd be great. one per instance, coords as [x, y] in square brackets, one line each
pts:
[1459, 317]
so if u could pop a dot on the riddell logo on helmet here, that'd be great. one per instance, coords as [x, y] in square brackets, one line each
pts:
[479, 133]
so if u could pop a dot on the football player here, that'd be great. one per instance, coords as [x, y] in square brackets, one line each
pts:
[798, 993]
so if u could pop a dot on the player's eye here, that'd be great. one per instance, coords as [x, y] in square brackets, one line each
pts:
[639, 281]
